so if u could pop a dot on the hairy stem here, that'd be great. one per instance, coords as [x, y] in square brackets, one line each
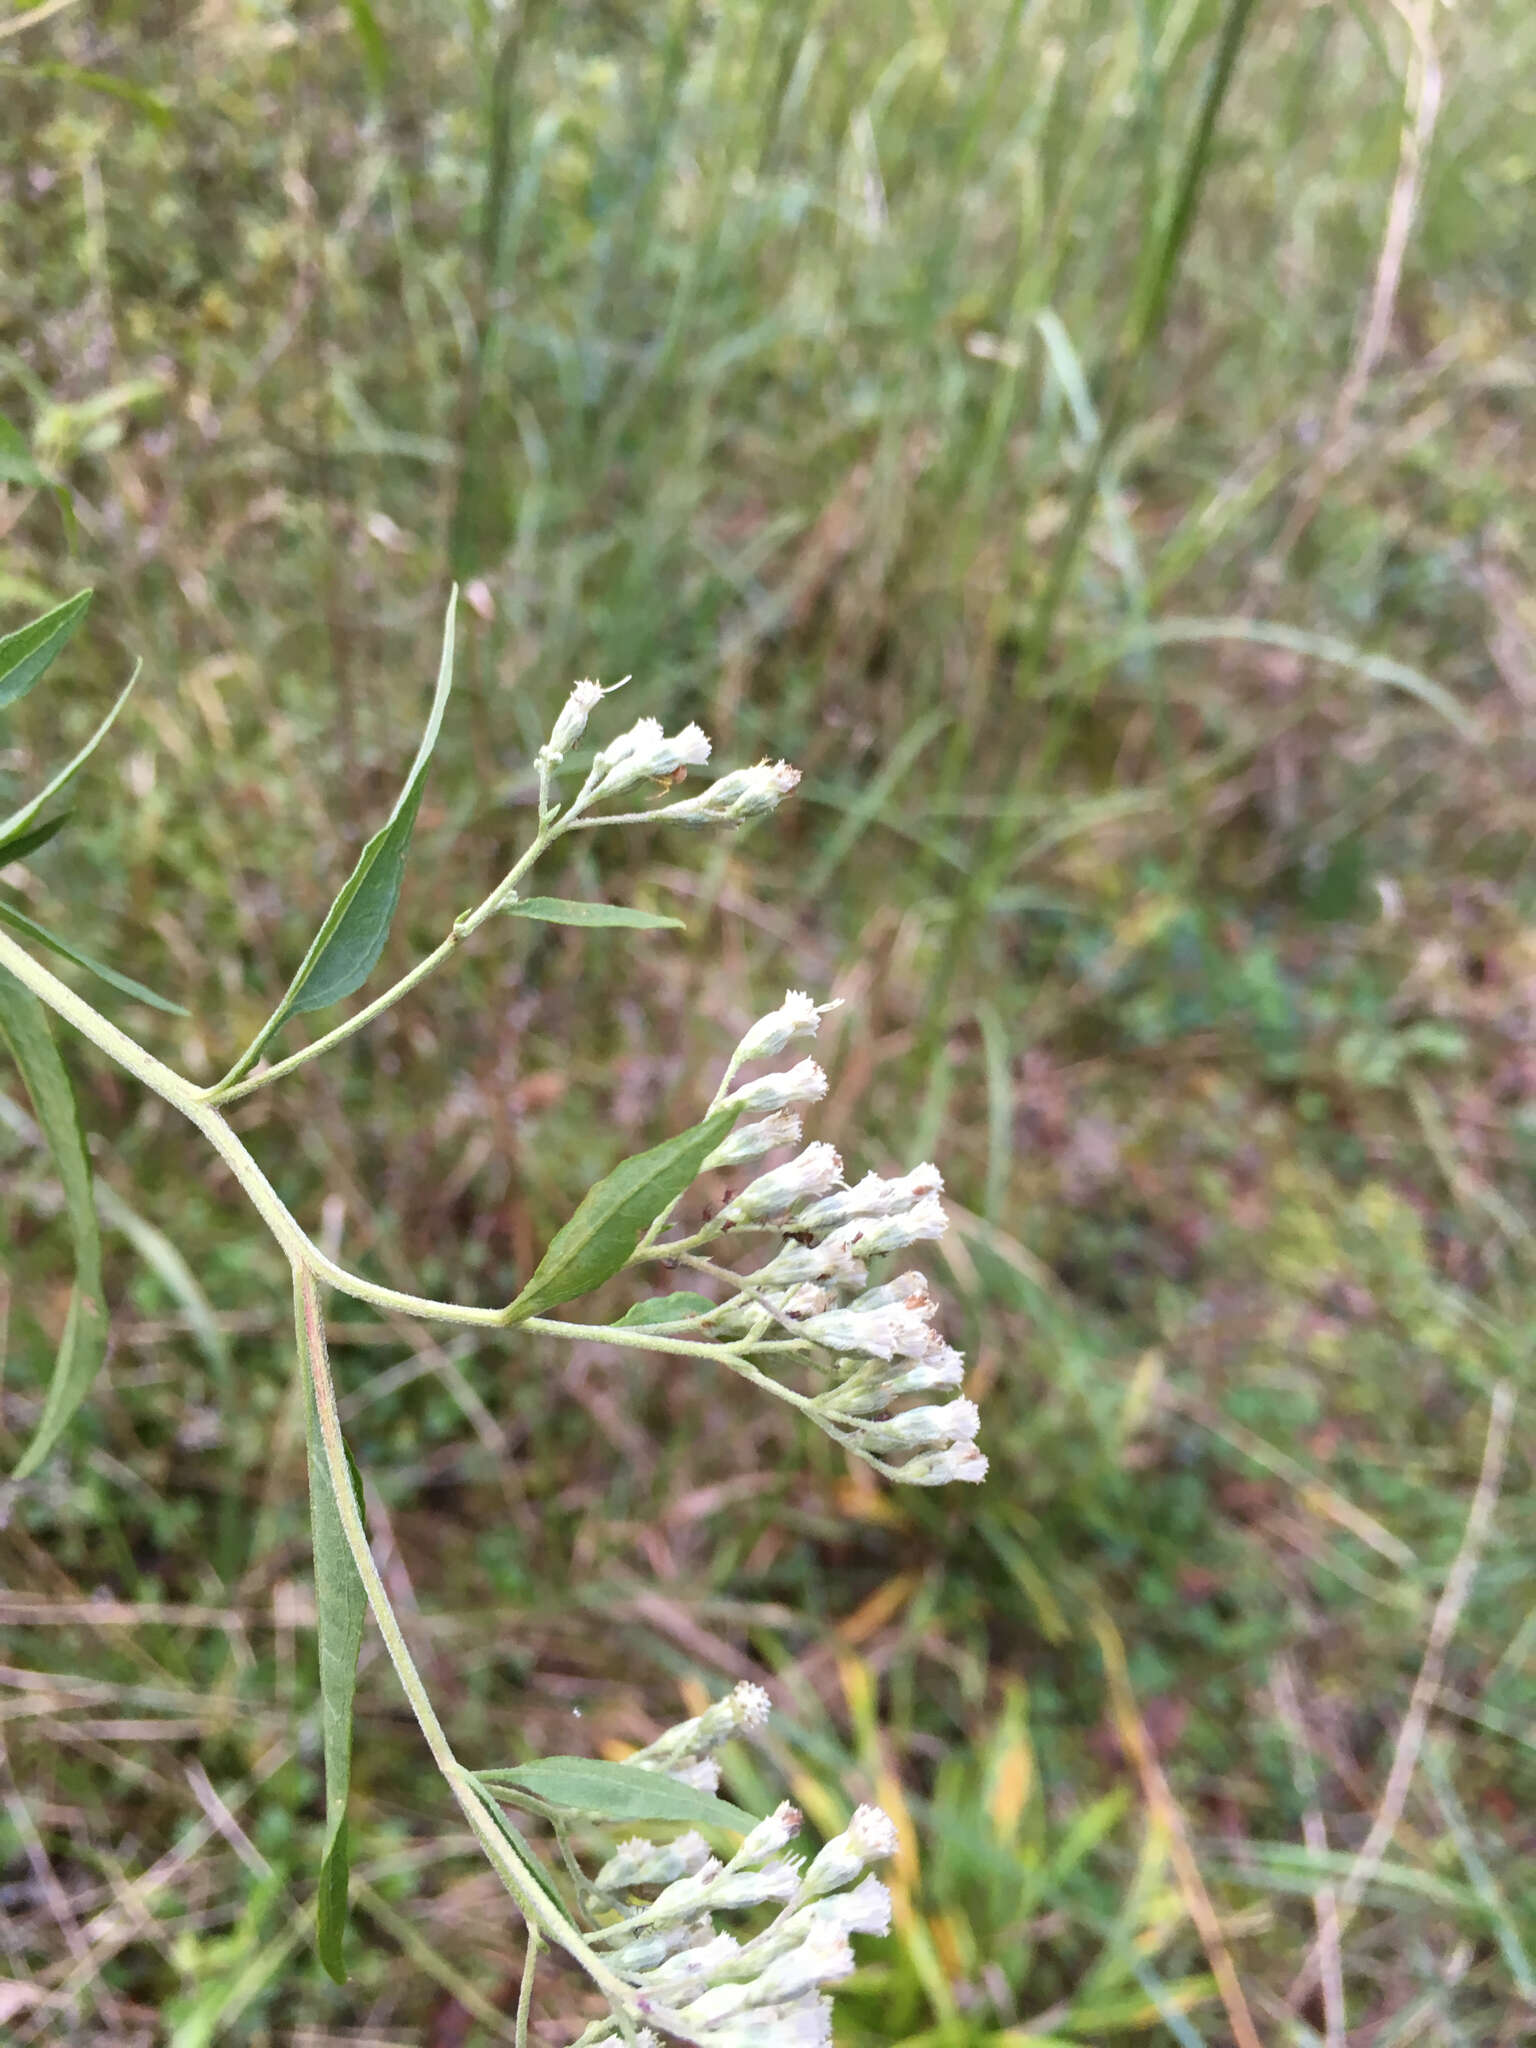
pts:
[531, 1900]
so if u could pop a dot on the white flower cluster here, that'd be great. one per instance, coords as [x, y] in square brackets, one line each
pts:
[815, 1291]
[686, 1752]
[767, 1991]
[647, 753]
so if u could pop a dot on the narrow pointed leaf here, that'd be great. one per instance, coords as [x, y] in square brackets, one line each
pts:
[347, 946]
[17, 464]
[24, 1027]
[342, 1608]
[16, 824]
[612, 1216]
[590, 916]
[124, 983]
[614, 1792]
[27, 654]
[27, 843]
[666, 1308]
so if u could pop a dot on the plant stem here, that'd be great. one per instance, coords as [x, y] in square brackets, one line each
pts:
[233, 1087]
[531, 1900]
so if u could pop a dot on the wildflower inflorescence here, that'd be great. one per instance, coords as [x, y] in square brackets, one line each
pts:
[658, 1906]
[811, 1301]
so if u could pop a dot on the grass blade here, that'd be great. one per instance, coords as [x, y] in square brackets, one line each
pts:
[342, 1608]
[24, 1026]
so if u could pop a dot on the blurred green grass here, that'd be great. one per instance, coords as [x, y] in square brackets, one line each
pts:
[1177, 871]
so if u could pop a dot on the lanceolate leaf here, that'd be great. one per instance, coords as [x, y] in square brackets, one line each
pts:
[559, 910]
[17, 465]
[28, 842]
[26, 654]
[665, 1308]
[349, 942]
[342, 1607]
[24, 1026]
[15, 826]
[614, 1792]
[124, 983]
[608, 1225]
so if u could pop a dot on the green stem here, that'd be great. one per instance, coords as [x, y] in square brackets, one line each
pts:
[535, 1907]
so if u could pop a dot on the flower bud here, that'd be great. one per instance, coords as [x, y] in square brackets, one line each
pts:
[868, 1838]
[572, 722]
[751, 1141]
[744, 793]
[898, 1332]
[876, 1196]
[813, 1263]
[774, 1194]
[869, 1236]
[744, 1708]
[921, 1429]
[769, 1836]
[645, 750]
[803, 1083]
[796, 1017]
[939, 1468]
[639, 1862]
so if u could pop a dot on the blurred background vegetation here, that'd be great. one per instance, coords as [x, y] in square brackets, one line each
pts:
[1091, 437]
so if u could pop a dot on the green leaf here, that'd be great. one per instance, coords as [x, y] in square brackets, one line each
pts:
[24, 1026]
[17, 465]
[17, 823]
[617, 1792]
[342, 1608]
[28, 842]
[371, 40]
[124, 983]
[665, 1308]
[558, 910]
[349, 942]
[607, 1226]
[28, 653]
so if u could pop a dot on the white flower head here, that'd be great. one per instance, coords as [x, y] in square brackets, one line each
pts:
[770, 1836]
[957, 1461]
[869, 1236]
[646, 751]
[894, 1332]
[827, 1262]
[751, 1141]
[572, 722]
[864, 1910]
[869, 1837]
[805, 2024]
[744, 793]
[796, 1017]
[638, 1862]
[876, 1196]
[774, 1194]
[907, 1290]
[804, 1082]
[921, 1429]
[690, 1743]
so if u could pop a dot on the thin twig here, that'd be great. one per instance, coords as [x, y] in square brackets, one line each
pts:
[1422, 92]
[1165, 1808]
[1426, 1686]
[1325, 1902]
